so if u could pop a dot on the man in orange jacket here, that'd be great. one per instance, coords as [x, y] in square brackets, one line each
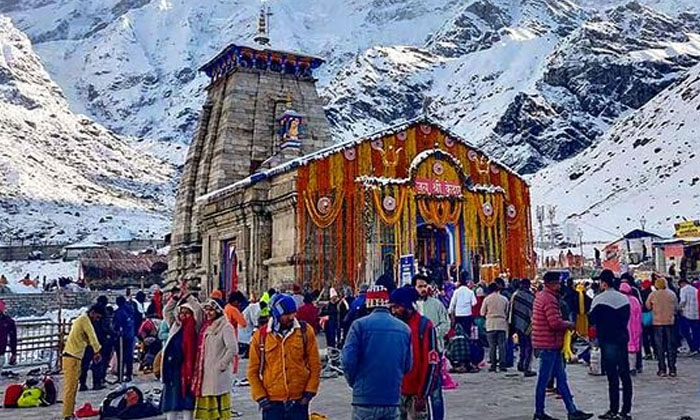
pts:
[284, 369]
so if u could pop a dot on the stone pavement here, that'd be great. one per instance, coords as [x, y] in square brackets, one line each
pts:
[487, 396]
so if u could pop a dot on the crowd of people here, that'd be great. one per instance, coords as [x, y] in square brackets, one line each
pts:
[195, 346]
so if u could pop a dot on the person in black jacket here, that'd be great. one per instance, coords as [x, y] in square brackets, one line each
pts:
[610, 313]
[105, 335]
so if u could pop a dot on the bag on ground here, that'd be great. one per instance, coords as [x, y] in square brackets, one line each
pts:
[30, 398]
[12, 394]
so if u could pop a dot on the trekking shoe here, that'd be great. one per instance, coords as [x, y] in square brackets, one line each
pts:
[661, 373]
[608, 416]
[625, 417]
[544, 417]
[672, 374]
[529, 374]
[580, 415]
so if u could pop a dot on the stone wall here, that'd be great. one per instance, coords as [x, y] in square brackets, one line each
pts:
[21, 252]
[235, 134]
[37, 304]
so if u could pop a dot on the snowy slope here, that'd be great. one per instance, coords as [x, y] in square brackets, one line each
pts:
[62, 176]
[646, 165]
[533, 83]
[121, 62]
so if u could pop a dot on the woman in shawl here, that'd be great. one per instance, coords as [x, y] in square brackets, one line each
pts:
[183, 316]
[217, 348]
[634, 326]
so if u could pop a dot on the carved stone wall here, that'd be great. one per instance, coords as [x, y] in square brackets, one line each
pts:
[236, 133]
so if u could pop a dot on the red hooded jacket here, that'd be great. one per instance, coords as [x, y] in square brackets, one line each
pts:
[422, 378]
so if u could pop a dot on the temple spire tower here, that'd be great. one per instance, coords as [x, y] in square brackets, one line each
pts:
[245, 127]
[262, 36]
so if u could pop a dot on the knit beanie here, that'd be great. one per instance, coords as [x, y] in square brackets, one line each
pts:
[282, 304]
[377, 296]
[405, 297]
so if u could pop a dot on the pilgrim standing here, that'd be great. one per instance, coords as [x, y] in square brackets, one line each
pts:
[183, 316]
[216, 351]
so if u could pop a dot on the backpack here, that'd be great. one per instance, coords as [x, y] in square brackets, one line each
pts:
[261, 346]
[30, 398]
[50, 393]
[12, 394]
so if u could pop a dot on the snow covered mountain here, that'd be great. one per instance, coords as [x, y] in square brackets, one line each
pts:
[63, 176]
[519, 77]
[533, 82]
[647, 165]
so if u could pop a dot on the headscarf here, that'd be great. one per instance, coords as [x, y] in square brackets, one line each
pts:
[281, 304]
[188, 328]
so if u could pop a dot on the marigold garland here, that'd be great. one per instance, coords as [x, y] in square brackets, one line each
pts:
[396, 214]
[440, 212]
[320, 220]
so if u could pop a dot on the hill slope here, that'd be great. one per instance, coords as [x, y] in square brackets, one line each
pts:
[62, 176]
[647, 165]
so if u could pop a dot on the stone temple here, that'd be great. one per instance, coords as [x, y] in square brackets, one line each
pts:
[267, 199]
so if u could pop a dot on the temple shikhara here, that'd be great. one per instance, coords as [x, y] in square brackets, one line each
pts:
[268, 198]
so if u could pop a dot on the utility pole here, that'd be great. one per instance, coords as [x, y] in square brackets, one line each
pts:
[552, 213]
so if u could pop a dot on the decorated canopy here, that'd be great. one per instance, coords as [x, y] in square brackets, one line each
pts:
[362, 204]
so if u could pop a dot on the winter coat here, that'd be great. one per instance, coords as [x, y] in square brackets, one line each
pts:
[309, 314]
[436, 312]
[610, 313]
[520, 313]
[170, 317]
[495, 309]
[286, 375]
[548, 327]
[373, 373]
[424, 374]
[125, 322]
[663, 304]
[634, 327]
[220, 347]
[689, 302]
[8, 334]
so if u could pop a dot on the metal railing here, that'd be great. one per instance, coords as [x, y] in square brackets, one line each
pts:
[39, 342]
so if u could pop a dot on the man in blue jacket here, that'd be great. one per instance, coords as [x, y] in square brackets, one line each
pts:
[373, 373]
[126, 338]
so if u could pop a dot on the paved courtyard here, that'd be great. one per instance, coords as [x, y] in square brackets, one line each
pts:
[487, 396]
